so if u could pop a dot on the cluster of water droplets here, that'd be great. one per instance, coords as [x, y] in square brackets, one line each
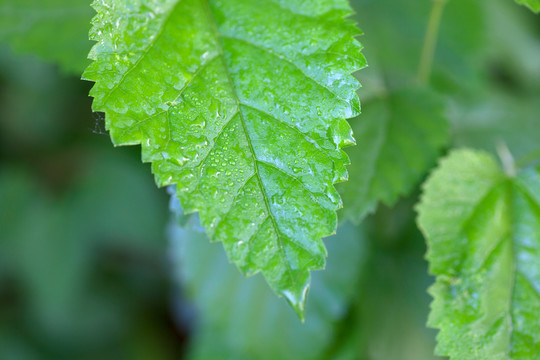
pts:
[249, 125]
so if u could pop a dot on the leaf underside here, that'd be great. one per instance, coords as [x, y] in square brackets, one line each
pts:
[483, 232]
[399, 138]
[242, 104]
[534, 5]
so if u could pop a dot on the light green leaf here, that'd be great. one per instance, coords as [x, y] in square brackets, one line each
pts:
[400, 136]
[242, 104]
[534, 5]
[483, 232]
[235, 313]
[55, 30]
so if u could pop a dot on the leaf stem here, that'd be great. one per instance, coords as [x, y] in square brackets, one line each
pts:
[507, 159]
[430, 41]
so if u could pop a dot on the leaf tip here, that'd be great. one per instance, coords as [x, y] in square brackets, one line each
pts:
[297, 299]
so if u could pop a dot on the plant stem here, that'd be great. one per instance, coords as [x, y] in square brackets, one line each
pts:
[507, 159]
[430, 41]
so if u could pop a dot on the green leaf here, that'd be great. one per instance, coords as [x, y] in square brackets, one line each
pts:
[483, 232]
[55, 30]
[400, 136]
[235, 313]
[534, 5]
[242, 104]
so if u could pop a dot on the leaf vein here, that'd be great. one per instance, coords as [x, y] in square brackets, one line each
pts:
[292, 177]
[291, 62]
[181, 92]
[144, 54]
[233, 88]
[273, 117]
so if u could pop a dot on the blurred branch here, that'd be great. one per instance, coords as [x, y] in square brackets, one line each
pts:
[430, 41]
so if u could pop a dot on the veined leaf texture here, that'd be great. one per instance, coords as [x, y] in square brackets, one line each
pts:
[236, 313]
[242, 105]
[399, 138]
[483, 233]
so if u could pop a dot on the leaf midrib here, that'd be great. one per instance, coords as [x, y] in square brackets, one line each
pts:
[219, 47]
[512, 286]
[512, 187]
[218, 39]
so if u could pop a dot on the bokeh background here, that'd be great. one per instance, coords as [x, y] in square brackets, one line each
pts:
[94, 265]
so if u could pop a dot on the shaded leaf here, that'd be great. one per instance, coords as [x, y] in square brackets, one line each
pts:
[54, 30]
[399, 138]
[483, 233]
[235, 313]
[243, 106]
[534, 5]
[387, 319]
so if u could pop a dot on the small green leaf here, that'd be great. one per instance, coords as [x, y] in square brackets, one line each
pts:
[242, 104]
[400, 136]
[55, 30]
[534, 5]
[483, 233]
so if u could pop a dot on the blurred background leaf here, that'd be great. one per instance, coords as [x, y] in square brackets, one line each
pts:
[387, 319]
[54, 30]
[399, 137]
[534, 5]
[84, 268]
[242, 318]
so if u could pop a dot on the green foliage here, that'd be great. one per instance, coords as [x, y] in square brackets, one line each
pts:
[387, 318]
[483, 228]
[236, 313]
[81, 275]
[55, 30]
[243, 106]
[399, 136]
[382, 264]
[534, 5]
[82, 269]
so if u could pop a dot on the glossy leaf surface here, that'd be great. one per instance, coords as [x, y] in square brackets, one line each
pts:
[54, 30]
[483, 232]
[399, 138]
[242, 104]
